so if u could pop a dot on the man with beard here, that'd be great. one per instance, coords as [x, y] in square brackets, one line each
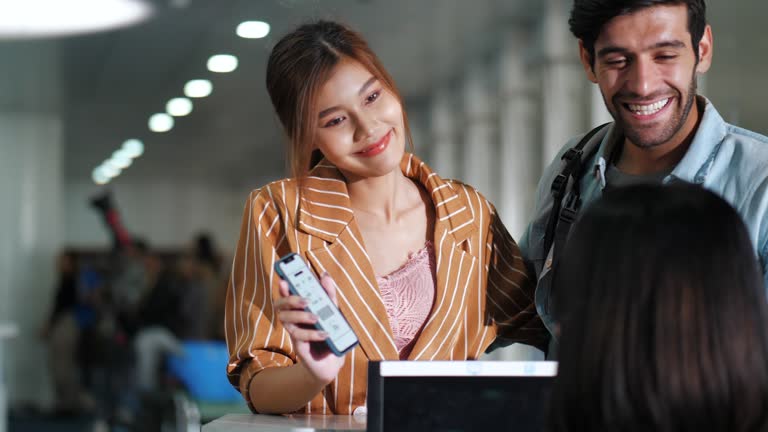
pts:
[645, 56]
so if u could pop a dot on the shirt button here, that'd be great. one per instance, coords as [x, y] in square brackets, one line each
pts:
[360, 411]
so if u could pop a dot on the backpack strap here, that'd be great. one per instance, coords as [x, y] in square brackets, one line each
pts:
[560, 219]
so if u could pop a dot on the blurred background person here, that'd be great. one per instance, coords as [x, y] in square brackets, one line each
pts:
[63, 333]
[206, 270]
[179, 307]
[133, 267]
[663, 317]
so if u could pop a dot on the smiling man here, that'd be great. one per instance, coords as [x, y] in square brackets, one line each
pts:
[645, 56]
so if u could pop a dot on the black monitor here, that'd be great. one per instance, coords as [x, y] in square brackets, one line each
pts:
[458, 395]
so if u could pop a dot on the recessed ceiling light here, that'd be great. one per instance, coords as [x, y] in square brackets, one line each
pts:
[120, 159]
[99, 177]
[160, 122]
[179, 107]
[253, 29]
[222, 63]
[198, 88]
[133, 148]
[109, 170]
[46, 18]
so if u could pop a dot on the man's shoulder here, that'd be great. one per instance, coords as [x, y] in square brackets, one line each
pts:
[738, 168]
[747, 152]
[748, 137]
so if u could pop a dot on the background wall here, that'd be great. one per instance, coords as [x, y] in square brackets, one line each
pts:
[166, 213]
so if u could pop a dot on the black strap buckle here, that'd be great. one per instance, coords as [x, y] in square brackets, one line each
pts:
[568, 215]
[558, 185]
[571, 209]
[573, 154]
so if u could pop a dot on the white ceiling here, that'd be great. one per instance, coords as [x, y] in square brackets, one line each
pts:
[112, 82]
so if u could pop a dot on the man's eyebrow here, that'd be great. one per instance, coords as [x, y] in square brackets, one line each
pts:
[619, 50]
[611, 50]
[669, 44]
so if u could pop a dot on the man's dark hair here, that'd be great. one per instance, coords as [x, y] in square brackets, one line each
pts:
[589, 16]
[663, 315]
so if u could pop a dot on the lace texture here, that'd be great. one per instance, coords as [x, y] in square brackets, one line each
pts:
[408, 294]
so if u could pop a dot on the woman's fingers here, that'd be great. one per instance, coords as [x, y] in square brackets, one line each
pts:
[307, 335]
[302, 332]
[296, 317]
[284, 291]
[290, 303]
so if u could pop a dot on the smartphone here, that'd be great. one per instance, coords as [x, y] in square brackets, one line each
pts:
[303, 283]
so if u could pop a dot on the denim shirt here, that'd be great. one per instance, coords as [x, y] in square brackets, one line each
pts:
[728, 160]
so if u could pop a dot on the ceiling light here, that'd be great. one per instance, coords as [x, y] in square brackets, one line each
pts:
[46, 18]
[121, 163]
[179, 107]
[121, 154]
[99, 177]
[222, 63]
[109, 170]
[120, 159]
[133, 148]
[160, 122]
[112, 164]
[253, 29]
[198, 88]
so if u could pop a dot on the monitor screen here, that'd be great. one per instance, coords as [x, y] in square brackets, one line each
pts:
[459, 396]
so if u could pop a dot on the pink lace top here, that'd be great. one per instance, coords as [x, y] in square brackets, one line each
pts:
[408, 294]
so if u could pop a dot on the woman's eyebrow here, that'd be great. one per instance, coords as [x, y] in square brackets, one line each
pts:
[362, 90]
[366, 85]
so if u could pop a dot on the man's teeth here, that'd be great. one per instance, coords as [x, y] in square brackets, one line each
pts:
[648, 109]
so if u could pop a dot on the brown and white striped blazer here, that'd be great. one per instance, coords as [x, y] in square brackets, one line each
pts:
[482, 289]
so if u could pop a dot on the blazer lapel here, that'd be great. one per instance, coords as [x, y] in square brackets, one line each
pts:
[324, 209]
[456, 269]
[325, 212]
[358, 295]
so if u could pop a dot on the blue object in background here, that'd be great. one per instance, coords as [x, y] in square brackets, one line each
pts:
[90, 281]
[202, 369]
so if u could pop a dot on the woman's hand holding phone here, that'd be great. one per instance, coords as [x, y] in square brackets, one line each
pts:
[308, 342]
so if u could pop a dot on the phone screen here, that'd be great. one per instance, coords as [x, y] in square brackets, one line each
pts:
[303, 282]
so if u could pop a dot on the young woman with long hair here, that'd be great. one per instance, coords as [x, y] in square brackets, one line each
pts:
[421, 267]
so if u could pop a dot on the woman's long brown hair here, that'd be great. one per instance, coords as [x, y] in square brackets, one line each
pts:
[300, 63]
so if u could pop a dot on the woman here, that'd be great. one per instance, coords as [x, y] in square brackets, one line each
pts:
[664, 324]
[423, 268]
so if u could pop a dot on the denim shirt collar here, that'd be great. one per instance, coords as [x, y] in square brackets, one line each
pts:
[694, 166]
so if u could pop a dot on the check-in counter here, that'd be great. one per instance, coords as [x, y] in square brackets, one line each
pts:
[287, 423]
[423, 396]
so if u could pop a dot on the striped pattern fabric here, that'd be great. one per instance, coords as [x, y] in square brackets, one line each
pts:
[482, 290]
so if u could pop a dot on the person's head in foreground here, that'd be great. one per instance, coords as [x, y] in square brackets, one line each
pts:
[663, 317]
